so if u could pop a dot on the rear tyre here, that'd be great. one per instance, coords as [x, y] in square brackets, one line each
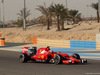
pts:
[77, 56]
[58, 59]
[23, 58]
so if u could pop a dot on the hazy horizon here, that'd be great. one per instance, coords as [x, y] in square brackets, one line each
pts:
[12, 7]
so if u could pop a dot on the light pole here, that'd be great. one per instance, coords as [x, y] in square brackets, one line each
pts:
[66, 4]
[99, 5]
[24, 16]
[3, 13]
[0, 13]
[87, 9]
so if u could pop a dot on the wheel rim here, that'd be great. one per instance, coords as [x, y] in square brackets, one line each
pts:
[74, 56]
[82, 61]
[56, 60]
[21, 58]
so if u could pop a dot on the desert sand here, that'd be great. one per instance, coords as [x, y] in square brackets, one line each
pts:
[83, 32]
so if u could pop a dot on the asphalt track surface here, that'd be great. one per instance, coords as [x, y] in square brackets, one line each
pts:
[10, 65]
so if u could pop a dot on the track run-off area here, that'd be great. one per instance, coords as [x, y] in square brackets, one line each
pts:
[10, 65]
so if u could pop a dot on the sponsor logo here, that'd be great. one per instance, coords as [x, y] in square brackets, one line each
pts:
[42, 56]
[40, 51]
[54, 55]
[39, 57]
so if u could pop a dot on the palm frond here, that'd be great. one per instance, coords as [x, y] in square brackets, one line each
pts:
[95, 6]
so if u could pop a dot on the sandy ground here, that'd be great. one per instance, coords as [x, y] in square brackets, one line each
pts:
[84, 32]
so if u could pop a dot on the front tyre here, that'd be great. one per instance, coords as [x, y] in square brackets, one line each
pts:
[23, 58]
[58, 59]
[77, 56]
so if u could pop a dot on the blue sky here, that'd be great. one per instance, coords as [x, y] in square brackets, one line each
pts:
[12, 7]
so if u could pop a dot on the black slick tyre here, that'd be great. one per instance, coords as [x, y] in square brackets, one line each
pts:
[77, 56]
[23, 58]
[58, 59]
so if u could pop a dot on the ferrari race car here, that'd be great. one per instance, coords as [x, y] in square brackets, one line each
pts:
[47, 55]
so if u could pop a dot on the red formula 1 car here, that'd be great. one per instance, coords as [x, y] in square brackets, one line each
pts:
[47, 55]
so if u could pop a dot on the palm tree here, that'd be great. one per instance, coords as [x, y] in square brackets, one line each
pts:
[27, 13]
[20, 18]
[95, 6]
[57, 10]
[63, 17]
[78, 17]
[73, 14]
[45, 11]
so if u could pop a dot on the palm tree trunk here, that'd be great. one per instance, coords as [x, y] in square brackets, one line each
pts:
[62, 25]
[73, 20]
[48, 24]
[97, 16]
[58, 22]
[50, 21]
